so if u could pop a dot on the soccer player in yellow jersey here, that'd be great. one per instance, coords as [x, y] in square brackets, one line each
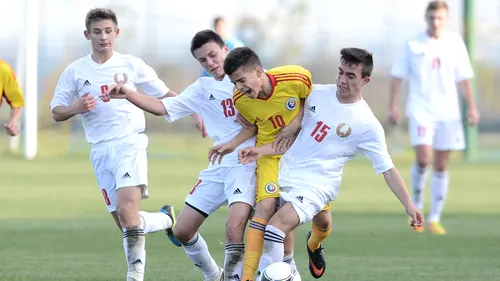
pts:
[272, 101]
[10, 91]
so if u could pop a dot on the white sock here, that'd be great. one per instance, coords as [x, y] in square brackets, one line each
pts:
[289, 259]
[273, 247]
[153, 222]
[439, 189]
[233, 261]
[134, 244]
[419, 177]
[197, 251]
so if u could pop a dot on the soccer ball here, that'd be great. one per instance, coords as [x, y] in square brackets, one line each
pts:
[279, 271]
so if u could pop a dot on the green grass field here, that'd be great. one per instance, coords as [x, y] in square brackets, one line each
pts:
[54, 225]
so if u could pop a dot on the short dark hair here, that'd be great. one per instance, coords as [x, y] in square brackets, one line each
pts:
[240, 57]
[203, 37]
[436, 5]
[99, 14]
[358, 56]
[217, 20]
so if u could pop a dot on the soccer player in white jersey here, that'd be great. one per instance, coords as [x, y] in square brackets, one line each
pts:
[338, 124]
[434, 61]
[227, 183]
[115, 130]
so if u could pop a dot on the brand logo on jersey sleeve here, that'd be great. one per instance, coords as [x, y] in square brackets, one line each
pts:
[120, 78]
[291, 103]
[271, 188]
[344, 130]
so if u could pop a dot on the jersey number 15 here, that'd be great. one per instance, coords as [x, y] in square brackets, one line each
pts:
[320, 132]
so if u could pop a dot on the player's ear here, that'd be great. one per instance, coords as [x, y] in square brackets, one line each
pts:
[117, 32]
[226, 49]
[259, 71]
[366, 80]
[86, 33]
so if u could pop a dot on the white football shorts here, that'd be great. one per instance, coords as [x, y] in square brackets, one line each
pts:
[441, 135]
[218, 186]
[307, 202]
[120, 163]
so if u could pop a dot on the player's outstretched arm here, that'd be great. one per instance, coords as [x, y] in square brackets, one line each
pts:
[251, 154]
[397, 185]
[147, 103]
[220, 150]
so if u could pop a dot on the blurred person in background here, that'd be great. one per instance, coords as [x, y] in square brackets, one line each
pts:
[11, 92]
[220, 27]
[434, 61]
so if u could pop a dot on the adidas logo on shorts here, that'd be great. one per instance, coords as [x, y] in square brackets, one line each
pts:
[237, 191]
[86, 83]
[126, 176]
[300, 198]
[211, 97]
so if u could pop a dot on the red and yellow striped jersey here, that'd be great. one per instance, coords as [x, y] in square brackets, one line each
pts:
[9, 88]
[291, 83]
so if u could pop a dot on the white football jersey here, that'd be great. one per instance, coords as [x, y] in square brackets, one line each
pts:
[213, 100]
[332, 134]
[118, 117]
[433, 68]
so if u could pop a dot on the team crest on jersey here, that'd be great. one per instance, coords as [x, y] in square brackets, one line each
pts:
[344, 130]
[291, 103]
[120, 78]
[271, 188]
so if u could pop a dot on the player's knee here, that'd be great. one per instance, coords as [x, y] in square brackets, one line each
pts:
[235, 230]
[423, 162]
[440, 165]
[183, 234]
[266, 208]
[323, 219]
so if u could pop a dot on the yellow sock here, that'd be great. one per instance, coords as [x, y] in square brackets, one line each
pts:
[254, 247]
[318, 235]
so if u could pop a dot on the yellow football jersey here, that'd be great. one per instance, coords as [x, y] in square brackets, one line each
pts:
[290, 84]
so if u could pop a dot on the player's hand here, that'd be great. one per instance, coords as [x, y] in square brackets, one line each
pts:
[417, 219]
[218, 151]
[286, 136]
[394, 116]
[85, 103]
[473, 116]
[242, 121]
[248, 155]
[198, 124]
[12, 128]
[116, 91]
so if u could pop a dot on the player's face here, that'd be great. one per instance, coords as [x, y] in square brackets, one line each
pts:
[349, 81]
[211, 57]
[102, 35]
[436, 21]
[247, 80]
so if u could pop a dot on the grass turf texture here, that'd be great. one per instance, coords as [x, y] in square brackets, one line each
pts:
[54, 225]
